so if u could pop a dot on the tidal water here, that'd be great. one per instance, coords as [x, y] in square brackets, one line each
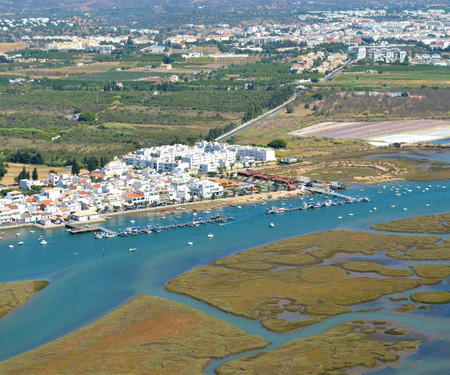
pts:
[85, 284]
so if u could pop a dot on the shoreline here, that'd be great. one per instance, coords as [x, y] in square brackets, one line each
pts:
[173, 209]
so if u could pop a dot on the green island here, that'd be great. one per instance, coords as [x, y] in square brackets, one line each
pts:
[434, 297]
[438, 224]
[432, 270]
[348, 346]
[285, 285]
[12, 295]
[147, 335]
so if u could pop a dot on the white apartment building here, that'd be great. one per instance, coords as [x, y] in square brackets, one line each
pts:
[206, 189]
[204, 156]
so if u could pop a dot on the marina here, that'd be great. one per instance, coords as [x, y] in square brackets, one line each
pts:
[132, 231]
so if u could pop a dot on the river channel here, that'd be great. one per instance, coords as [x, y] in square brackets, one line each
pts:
[91, 277]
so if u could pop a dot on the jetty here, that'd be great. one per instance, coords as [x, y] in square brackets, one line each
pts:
[333, 193]
[305, 206]
[76, 229]
[133, 231]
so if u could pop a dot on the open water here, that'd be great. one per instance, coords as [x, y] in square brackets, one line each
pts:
[85, 285]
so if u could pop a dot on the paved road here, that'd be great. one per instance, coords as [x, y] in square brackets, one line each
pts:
[242, 127]
[334, 72]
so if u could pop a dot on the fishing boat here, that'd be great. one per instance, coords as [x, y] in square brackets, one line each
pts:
[339, 217]
[350, 214]
[190, 243]
[132, 221]
[20, 243]
[43, 242]
[210, 235]
[272, 225]
[32, 231]
[239, 207]
[17, 234]
[392, 206]
[132, 249]
[11, 246]
[275, 210]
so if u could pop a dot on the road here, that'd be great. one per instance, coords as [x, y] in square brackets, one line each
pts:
[334, 72]
[252, 122]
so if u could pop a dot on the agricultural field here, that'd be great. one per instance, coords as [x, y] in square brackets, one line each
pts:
[145, 110]
[7, 47]
[393, 76]
[359, 105]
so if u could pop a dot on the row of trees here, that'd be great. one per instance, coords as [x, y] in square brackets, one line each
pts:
[24, 174]
[218, 131]
[26, 156]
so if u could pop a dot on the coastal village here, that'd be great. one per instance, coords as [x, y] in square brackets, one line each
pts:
[151, 177]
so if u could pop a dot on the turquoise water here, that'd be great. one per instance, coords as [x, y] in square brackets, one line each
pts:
[429, 155]
[85, 285]
[440, 141]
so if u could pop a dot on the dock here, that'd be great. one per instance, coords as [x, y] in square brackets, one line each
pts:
[133, 231]
[305, 206]
[76, 229]
[330, 192]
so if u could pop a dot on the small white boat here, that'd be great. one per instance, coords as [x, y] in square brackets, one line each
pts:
[194, 214]
[350, 214]
[132, 249]
[405, 209]
[17, 234]
[339, 217]
[427, 205]
[43, 242]
[272, 225]
[32, 231]
[20, 243]
[374, 208]
[210, 235]
[132, 221]
[11, 246]
[239, 207]
[392, 206]
[190, 243]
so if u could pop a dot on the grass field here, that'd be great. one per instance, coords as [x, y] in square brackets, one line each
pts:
[393, 76]
[7, 47]
[43, 170]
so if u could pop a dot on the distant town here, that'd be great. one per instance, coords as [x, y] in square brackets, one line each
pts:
[368, 34]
